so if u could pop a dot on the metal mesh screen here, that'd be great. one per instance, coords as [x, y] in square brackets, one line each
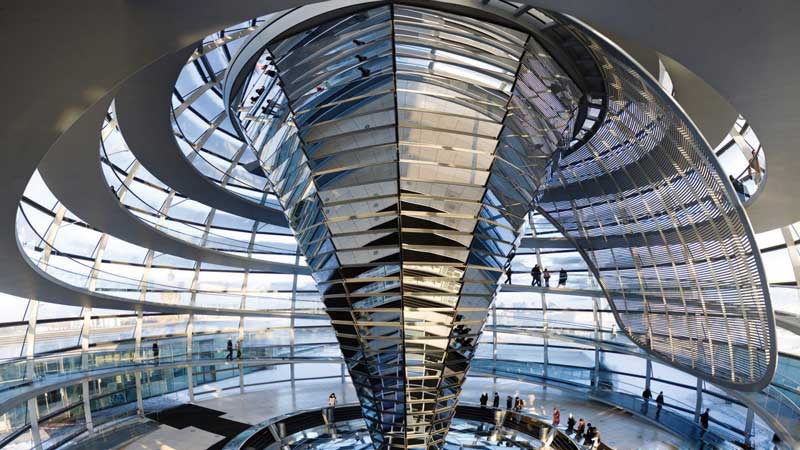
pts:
[646, 202]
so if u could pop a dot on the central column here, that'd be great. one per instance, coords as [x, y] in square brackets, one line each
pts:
[406, 146]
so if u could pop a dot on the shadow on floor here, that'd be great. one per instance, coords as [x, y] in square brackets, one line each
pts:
[206, 419]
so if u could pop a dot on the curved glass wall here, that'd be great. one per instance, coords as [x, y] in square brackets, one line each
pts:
[185, 219]
[547, 337]
[74, 253]
[203, 131]
[670, 246]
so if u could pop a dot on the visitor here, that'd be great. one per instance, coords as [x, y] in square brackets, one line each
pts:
[570, 424]
[659, 403]
[269, 107]
[515, 415]
[536, 276]
[754, 167]
[562, 278]
[587, 438]
[646, 396]
[581, 428]
[484, 399]
[332, 400]
[238, 349]
[229, 347]
[556, 417]
[595, 439]
[776, 441]
[155, 352]
[739, 188]
[546, 278]
[496, 400]
[508, 402]
[508, 273]
[704, 418]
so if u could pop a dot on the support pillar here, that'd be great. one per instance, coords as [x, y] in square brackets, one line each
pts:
[240, 334]
[30, 372]
[190, 383]
[33, 418]
[189, 335]
[748, 426]
[543, 297]
[698, 406]
[291, 319]
[546, 356]
[598, 337]
[139, 401]
[30, 341]
[189, 350]
[87, 407]
[494, 333]
[85, 335]
[189, 346]
[137, 337]
[241, 378]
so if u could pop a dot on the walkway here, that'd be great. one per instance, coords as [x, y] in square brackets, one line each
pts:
[11, 397]
[73, 173]
[250, 407]
[692, 434]
[146, 126]
[778, 412]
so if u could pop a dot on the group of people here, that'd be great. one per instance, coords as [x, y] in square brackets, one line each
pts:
[582, 431]
[646, 396]
[754, 172]
[537, 274]
[515, 404]
[230, 347]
